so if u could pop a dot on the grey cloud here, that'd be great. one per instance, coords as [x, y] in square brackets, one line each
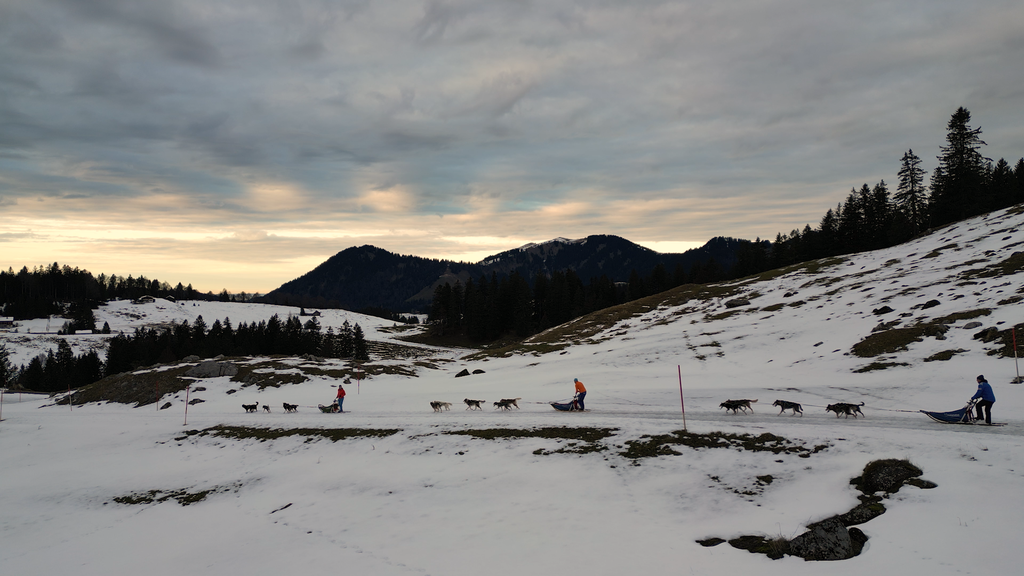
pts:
[524, 104]
[173, 28]
[499, 95]
[215, 134]
[437, 17]
[22, 31]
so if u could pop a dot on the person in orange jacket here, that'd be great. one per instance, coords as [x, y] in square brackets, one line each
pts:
[581, 393]
[341, 397]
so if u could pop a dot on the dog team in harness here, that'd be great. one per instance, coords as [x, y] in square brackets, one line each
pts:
[978, 408]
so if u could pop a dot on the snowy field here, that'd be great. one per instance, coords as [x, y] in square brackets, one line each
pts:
[422, 500]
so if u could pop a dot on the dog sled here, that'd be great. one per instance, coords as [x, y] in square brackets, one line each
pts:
[964, 415]
[328, 409]
[571, 406]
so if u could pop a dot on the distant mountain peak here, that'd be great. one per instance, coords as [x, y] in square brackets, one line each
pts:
[370, 277]
[558, 240]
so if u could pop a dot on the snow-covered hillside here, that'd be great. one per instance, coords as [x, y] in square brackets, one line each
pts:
[407, 490]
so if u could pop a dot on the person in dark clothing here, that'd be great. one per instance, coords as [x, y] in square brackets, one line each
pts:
[987, 399]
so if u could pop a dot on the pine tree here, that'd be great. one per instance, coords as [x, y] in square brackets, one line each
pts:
[878, 216]
[359, 349]
[345, 344]
[7, 371]
[911, 196]
[957, 184]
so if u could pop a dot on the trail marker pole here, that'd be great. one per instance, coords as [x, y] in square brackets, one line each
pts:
[69, 397]
[2, 390]
[681, 403]
[1016, 380]
[187, 388]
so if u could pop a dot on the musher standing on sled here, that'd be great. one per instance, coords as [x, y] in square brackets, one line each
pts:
[987, 399]
[581, 393]
[341, 397]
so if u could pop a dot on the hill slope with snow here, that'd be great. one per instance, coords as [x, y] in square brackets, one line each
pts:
[392, 487]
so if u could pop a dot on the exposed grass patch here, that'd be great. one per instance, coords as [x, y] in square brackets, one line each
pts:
[661, 445]
[774, 548]
[935, 253]
[1012, 265]
[879, 366]
[182, 497]
[894, 340]
[727, 314]
[268, 375]
[944, 355]
[589, 437]
[140, 388]
[887, 340]
[1004, 339]
[817, 266]
[965, 315]
[311, 434]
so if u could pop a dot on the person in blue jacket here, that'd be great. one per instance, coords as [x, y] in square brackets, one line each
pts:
[987, 399]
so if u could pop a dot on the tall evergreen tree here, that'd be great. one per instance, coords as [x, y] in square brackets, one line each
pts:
[345, 348]
[959, 178]
[1018, 173]
[359, 348]
[911, 196]
[7, 371]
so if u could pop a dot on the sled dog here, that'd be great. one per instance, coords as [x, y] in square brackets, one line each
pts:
[784, 405]
[738, 405]
[845, 409]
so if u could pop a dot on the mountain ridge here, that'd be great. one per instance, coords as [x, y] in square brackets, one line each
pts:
[366, 276]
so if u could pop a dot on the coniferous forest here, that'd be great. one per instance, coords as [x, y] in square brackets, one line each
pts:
[62, 370]
[62, 291]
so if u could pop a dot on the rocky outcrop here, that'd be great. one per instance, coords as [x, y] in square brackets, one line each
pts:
[828, 540]
[833, 538]
[210, 369]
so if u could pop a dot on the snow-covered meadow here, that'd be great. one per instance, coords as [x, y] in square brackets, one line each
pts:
[422, 497]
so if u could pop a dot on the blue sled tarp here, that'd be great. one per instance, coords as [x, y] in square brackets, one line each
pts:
[570, 406]
[961, 416]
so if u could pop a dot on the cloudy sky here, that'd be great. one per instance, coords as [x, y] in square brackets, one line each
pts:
[238, 144]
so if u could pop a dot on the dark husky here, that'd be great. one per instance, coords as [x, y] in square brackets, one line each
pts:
[737, 405]
[845, 408]
[250, 407]
[784, 405]
[473, 404]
